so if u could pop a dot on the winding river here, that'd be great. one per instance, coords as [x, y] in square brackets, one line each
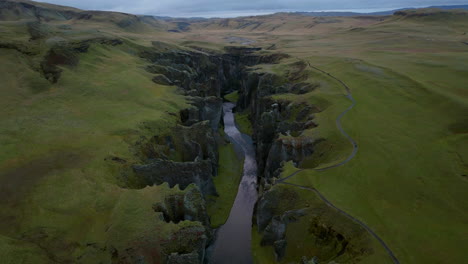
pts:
[233, 239]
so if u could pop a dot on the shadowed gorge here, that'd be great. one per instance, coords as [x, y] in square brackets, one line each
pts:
[289, 138]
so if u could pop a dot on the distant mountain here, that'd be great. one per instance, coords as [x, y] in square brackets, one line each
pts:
[383, 13]
[331, 14]
[451, 7]
[172, 19]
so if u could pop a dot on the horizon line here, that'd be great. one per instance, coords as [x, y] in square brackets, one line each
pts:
[247, 13]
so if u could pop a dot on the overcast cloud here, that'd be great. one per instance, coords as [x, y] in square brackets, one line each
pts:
[209, 8]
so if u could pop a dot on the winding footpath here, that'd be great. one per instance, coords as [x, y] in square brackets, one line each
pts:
[324, 199]
[349, 158]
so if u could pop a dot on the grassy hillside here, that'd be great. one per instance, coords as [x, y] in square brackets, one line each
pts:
[407, 179]
[62, 143]
[57, 176]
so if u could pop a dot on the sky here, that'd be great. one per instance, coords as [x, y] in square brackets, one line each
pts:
[233, 8]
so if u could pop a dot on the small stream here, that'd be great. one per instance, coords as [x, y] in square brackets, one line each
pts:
[233, 240]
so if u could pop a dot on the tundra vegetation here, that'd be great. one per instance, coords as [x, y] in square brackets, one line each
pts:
[113, 150]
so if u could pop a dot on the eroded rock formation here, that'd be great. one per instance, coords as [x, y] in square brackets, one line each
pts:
[187, 244]
[178, 173]
[188, 206]
[189, 154]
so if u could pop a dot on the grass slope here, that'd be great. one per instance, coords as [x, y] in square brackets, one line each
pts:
[407, 179]
[229, 177]
[60, 192]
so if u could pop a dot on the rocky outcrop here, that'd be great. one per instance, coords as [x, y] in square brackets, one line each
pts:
[178, 173]
[303, 88]
[178, 74]
[190, 258]
[188, 206]
[37, 30]
[287, 149]
[195, 73]
[20, 47]
[314, 260]
[172, 209]
[162, 79]
[195, 207]
[272, 219]
[327, 236]
[60, 55]
[275, 232]
[332, 236]
[270, 205]
[67, 54]
[278, 124]
[208, 108]
[202, 74]
[188, 155]
[187, 244]
[184, 144]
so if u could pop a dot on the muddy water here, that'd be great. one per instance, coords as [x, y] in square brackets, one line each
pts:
[232, 245]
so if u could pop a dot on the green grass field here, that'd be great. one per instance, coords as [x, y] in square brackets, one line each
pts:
[406, 181]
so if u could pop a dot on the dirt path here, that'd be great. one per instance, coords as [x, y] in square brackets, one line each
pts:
[349, 158]
[338, 125]
[338, 121]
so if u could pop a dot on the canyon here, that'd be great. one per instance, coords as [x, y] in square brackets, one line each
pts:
[283, 138]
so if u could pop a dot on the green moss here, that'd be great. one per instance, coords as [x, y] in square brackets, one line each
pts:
[243, 123]
[230, 174]
[16, 251]
[261, 254]
[232, 97]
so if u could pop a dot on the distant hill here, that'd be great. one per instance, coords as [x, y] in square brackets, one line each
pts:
[315, 14]
[451, 7]
[15, 10]
[308, 20]
[383, 13]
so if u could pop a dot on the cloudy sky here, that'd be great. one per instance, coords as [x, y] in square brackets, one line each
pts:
[229, 8]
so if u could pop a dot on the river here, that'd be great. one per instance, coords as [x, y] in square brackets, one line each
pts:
[233, 239]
